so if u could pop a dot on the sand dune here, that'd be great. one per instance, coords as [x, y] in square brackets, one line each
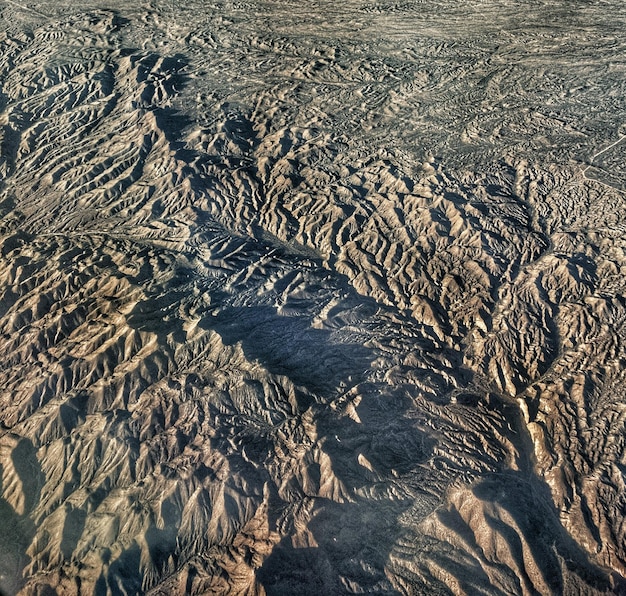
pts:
[305, 301]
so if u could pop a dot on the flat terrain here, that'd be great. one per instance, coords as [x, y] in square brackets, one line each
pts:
[313, 297]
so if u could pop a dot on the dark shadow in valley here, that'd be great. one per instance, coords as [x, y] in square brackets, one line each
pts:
[529, 503]
[354, 533]
[290, 346]
[353, 541]
[18, 530]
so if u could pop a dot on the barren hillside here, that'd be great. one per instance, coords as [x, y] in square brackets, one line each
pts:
[312, 298]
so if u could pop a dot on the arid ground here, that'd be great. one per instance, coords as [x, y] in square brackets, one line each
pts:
[313, 298]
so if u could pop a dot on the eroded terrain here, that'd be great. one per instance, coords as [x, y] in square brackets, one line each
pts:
[321, 298]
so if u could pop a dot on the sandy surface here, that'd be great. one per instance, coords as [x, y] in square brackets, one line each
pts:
[312, 297]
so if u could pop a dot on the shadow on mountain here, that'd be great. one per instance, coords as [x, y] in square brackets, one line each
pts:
[530, 506]
[18, 530]
[353, 545]
[289, 346]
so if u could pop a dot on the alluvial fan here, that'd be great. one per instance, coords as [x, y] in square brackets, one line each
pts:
[306, 299]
